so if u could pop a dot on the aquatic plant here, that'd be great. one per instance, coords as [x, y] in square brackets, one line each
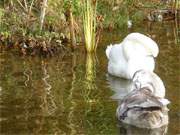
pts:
[89, 24]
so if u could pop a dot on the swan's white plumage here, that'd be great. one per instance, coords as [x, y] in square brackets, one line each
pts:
[139, 44]
[131, 55]
[108, 49]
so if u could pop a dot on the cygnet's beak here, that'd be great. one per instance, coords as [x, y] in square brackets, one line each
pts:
[137, 84]
[133, 78]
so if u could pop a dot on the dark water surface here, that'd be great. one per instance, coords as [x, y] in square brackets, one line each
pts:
[71, 94]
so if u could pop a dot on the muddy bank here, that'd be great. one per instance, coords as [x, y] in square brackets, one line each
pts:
[34, 45]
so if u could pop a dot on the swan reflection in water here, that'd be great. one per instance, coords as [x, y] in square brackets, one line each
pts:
[121, 88]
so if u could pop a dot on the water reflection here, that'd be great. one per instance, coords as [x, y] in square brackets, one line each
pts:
[68, 94]
[120, 86]
[90, 71]
[48, 99]
[176, 29]
[125, 129]
[90, 82]
[73, 104]
[28, 74]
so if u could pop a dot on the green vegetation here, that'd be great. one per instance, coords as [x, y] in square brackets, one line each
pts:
[89, 23]
[61, 21]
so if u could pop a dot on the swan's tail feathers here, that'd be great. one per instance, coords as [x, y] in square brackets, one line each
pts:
[108, 49]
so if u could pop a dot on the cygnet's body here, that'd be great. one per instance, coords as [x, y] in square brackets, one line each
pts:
[142, 109]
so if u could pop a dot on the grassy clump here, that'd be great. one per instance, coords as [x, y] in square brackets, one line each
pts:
[89, 24]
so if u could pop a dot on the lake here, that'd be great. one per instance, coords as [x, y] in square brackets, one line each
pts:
[72, 93]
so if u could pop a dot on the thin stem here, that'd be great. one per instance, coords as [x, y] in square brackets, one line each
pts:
[43, 12]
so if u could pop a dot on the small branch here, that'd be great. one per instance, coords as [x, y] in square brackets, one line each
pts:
[30, 8]
[21, 5]
[25, 3]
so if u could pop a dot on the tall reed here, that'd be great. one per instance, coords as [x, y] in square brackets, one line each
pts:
[89, 24]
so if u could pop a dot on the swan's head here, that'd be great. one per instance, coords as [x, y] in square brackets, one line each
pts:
[150, 80]
[139, 44]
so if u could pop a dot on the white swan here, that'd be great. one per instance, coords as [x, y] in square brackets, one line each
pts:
[135, 52]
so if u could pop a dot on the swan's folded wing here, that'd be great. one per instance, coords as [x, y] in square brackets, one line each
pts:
[114, 53]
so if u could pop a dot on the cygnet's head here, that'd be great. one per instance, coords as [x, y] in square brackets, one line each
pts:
[142, 76]
[150, 80]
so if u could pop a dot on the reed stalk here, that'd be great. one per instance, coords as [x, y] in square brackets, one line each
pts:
[89, 24]
[43, 12]
[72, 34]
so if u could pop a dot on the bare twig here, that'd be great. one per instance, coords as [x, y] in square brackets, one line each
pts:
[21, 5]
[25, 3]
